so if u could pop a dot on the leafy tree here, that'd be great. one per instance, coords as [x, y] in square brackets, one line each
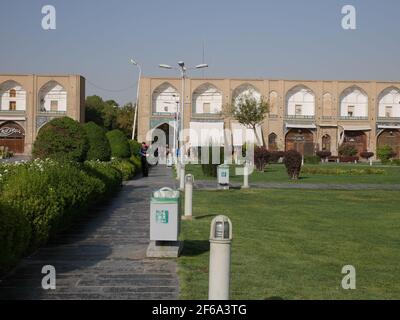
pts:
[125, 119]
[61, 138]
[347, 150]
[249, 112]
[385, 153]
[119, 144]
[102, 113]
[99, 147]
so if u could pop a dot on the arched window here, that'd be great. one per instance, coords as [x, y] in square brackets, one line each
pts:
[244, 91]
[53, 98]
[207, 99]
[300, 102]
[354, 103]
[12, 96]
[166, 99]
[326, 143]
[272, 142]
[389, 103]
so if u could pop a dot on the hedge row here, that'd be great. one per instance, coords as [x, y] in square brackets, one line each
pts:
[41, 198]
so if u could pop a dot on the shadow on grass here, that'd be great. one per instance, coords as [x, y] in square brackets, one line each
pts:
[193, 248]
[205, 216]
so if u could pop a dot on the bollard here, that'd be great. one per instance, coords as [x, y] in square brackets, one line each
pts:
[370, 162]
[182, 178]
[178, 170]
[189, 180]
[220, 258]
[245, 177]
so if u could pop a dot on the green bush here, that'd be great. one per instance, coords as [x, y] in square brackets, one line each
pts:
[119, 144]
[293, 161]
[312, 159]
[385, 153]
[105, 172]
[347, 150]
[134, 147]
[50, 195]
[47, 196]
[135, 160]
[99, 147]
[61, 138]
[126, 167]
[15, 233]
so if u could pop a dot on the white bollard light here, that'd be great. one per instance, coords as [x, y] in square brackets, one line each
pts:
[182, 177]
[189, 181]
[246, 177]
[370, 162]
[220, 258]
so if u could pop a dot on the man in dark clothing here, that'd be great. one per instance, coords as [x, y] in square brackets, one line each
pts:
[143, 159]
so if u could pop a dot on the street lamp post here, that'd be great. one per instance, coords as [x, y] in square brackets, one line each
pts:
[132, 61]
[183, 69]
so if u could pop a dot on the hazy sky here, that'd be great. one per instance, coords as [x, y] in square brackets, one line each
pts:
[255, 38]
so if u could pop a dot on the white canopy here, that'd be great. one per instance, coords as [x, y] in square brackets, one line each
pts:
[206, 133]
[383, 126]
[357, 128]
[301, 126]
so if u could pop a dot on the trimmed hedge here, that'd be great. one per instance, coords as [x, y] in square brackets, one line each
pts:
[61, 138]
[48, 195]
[134, 147]
[126, 168]
[119, 144]
[293, 161]
[99, 147]
[15, 232]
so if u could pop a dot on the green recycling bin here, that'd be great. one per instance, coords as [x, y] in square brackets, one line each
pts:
[165, 215]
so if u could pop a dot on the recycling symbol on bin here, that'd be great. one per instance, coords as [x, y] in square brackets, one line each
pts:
[162, 216]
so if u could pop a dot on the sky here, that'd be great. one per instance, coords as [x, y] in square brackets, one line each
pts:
[285, 39]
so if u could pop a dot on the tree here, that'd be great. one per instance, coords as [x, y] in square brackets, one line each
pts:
[99, 147]
[102, 113]
[125, 119]
[119, 144]
[61, 138]
[249, 112]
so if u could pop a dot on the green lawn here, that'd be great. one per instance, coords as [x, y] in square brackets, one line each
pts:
[277, 173]
[293, 244]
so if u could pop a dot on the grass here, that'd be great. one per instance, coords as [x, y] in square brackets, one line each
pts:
[277, 173]
[293, 244]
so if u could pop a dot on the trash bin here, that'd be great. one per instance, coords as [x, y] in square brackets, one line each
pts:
[223, 175]
[165, 215]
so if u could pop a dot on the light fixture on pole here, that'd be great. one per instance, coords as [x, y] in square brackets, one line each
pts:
[183, 69]
[132, 61]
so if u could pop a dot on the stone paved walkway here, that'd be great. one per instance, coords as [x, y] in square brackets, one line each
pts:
[212, 185]
[104, 255]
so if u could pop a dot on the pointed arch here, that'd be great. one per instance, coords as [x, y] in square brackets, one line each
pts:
[389, 103]
[12, 96]
[207, 98]
[245, 90]
[52, 98]
[300, 101]
[165, 99]
[354, 102]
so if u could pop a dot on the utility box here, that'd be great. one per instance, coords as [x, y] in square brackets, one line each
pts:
[223, 176]
[165, 215]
